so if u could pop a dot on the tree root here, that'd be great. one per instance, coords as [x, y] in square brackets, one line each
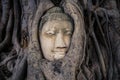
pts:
[16, 29]
[8, 36]
[4, 18]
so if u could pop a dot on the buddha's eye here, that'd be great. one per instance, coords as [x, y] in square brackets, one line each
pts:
[68, 33]
[50, 33]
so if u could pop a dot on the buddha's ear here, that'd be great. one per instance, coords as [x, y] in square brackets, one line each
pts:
[77, 49]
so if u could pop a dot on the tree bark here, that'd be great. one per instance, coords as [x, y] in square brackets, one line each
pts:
[95, 47]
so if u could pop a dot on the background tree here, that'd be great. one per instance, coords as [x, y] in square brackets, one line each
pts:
[102, 51]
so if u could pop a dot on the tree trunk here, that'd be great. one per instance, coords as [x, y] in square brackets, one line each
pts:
[94, 51]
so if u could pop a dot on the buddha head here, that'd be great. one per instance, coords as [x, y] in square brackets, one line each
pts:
[55, 33]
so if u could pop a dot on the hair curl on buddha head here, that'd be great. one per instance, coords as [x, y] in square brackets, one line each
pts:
[55, 13]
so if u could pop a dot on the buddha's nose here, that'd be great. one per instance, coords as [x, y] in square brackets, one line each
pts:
[59, 42]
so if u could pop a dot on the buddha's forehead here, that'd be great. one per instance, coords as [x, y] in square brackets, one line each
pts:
[57, 25]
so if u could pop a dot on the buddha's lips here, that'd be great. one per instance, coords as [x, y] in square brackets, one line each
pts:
[60, 52]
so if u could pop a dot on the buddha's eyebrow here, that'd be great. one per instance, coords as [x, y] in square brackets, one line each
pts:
[50, 29]
[68, 29]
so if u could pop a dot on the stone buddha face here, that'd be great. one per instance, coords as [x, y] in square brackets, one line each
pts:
[55, 38]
